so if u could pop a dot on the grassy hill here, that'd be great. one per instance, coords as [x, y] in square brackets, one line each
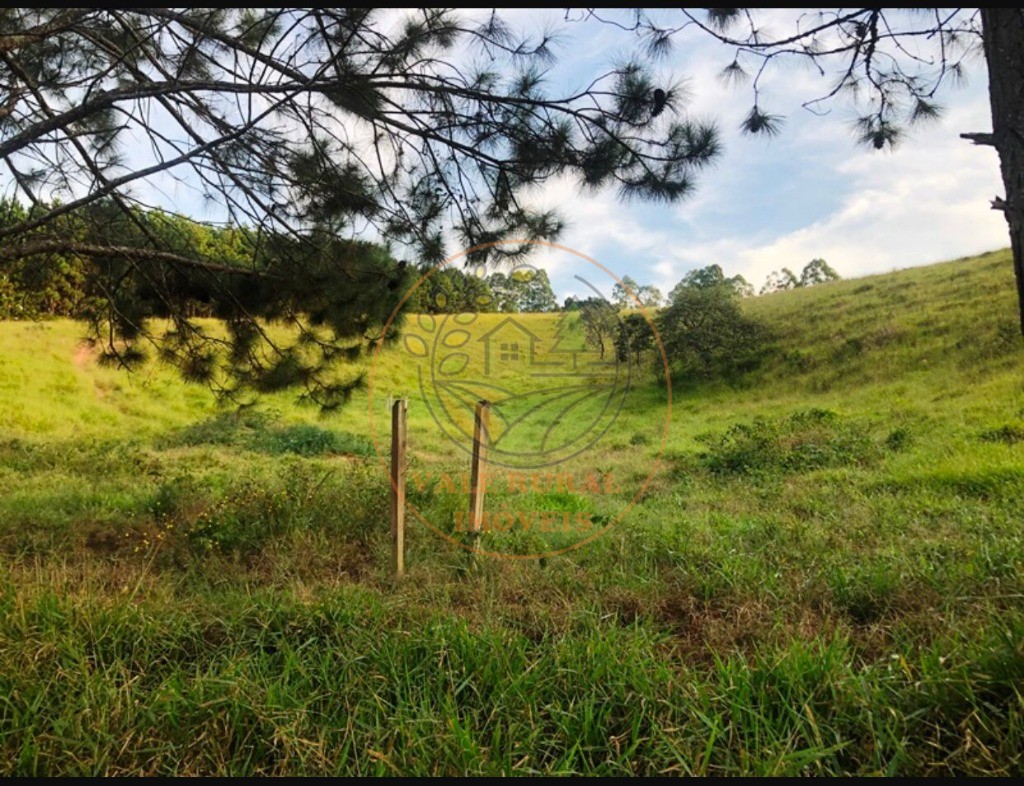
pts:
[822, 574]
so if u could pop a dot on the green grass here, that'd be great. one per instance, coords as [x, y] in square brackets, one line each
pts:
[822, 577]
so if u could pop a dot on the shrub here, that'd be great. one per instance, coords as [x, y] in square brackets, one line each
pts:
[898, 439]
[353, 504]
[1008, 434]
[257, 431]
[225, 428]
[805, 440]
[305, 439]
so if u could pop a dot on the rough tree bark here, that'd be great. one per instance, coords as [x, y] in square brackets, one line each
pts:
[1003, 35]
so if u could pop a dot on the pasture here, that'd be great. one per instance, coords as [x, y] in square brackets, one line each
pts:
[821, 573]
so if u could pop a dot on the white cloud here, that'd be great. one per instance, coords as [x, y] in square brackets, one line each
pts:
[926, 202]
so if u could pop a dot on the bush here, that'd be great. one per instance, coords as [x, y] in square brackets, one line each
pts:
[225, 428]
[306, 439]
[806, 440]
[256, 431]
[1008, 434]
[352, 503]
[899, 439]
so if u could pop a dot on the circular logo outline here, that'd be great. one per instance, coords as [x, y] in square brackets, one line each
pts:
[384, 456]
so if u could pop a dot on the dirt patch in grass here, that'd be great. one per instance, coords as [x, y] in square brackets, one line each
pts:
[84, 355]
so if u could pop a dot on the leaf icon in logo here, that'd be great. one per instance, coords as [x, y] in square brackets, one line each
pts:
[456, 338]
[426, 323]
[453, 364]
[415, 345]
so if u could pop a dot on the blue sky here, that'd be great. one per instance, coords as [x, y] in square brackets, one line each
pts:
[810, 192]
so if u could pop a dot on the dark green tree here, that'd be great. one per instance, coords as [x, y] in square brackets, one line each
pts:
[450, 290]
[705, 333]
[633, 338]
[573, 303]
[318, 133]
[29, 290]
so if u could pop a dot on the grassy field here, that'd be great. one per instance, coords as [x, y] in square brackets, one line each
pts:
[823, 575]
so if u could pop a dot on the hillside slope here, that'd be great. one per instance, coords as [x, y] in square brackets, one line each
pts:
[950, 328]
[959, 317]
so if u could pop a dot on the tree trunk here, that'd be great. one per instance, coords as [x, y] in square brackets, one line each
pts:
[1003, 34]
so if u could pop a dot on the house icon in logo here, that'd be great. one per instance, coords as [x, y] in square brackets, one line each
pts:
[510, 344]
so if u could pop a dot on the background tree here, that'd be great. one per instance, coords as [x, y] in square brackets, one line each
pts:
[817, 271]
[578, 303]
[779, 280]
[712, 276]
[705, 333]
[650, 296]
[600, 322]
[633, 338]
[536, 294]
[627, 293]
[450, 290]
[505, 290]
[624, 291]
[522, 290]
[891, 62]
[317, 133]
[30, 291]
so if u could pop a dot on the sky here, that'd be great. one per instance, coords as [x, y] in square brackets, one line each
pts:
[809, 192]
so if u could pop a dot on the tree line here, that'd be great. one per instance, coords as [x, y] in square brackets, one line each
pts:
[66, 284]
[702, 327]
[701, 324]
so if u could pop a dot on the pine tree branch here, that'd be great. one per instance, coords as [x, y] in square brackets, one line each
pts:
[61, 22]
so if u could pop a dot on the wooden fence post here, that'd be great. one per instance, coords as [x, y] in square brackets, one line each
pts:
[398, 441]
[478, 476]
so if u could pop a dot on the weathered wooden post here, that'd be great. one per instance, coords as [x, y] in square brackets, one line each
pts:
[478, 476]
[398, 441]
